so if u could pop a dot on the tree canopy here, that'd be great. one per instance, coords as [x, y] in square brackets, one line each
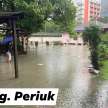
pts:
[92, 35]
[37, 12]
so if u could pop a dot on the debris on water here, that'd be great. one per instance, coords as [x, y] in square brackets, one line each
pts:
[92, 70]
[96, 71]
[40, 64]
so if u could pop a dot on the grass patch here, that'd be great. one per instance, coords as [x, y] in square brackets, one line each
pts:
[104, 70]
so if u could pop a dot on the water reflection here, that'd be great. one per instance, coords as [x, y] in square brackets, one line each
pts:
[64, 67]
[80, 85]
[6, 69]
[102, 95]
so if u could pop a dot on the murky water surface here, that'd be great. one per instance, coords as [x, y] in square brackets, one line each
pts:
[63, 67]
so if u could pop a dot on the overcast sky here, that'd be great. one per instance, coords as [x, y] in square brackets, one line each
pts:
[104, 7]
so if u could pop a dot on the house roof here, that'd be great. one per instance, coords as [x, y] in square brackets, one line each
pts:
[105, 26]
[5, 16]
[80, 28]
[42, 34]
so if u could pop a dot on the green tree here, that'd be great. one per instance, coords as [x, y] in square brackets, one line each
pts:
[7, 5]
[103, 47]
[92, 36]
[103, 51]
[64, 14]
[50, 26]
[37, 12]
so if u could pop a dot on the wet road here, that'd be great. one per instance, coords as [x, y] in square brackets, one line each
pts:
[63, 67]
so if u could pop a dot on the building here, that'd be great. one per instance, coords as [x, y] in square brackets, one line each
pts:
[52, 38]
[87, 10]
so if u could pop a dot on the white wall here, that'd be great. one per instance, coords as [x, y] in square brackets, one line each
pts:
[44, 39]
[32, 40]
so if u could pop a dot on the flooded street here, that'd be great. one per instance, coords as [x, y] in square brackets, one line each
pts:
[63, 67]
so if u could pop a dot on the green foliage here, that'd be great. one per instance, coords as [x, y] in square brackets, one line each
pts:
[103, 56]
[1, 36]
[7, 5]
[104, 70]
[95, 58]
[104, 37]
[92, 36]
[37, 12]
[50, 26]
[103, 51]
[103, 47]
[64, 14]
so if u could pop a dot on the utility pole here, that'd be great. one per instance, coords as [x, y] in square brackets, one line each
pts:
[15, 47]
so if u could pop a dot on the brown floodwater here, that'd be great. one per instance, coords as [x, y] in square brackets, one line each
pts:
[63, 67]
